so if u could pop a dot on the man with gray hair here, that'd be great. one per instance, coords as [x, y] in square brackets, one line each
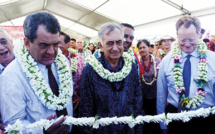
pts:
[107, 90]
[83, 52]
[6, 49]
[188, 75]
[6, 55]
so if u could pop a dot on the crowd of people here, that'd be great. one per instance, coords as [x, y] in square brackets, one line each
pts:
[47, 74]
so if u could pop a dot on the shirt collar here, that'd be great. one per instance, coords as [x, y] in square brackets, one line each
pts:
[43, 67]
[1, 67]
[194, 53]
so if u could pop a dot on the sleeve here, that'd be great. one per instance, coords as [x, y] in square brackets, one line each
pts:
[13, 102]
[138, 102]
[161, 92]
[86, 105]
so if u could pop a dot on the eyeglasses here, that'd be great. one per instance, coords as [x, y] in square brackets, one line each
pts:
[183, 41]
[111, 43]
[126, 36]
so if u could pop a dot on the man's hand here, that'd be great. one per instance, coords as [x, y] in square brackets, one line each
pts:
[57, 127]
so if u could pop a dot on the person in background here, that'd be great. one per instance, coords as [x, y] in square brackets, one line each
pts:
[179, 74]
[165, 43]
[6, 57]
[77, 65]
[111, 97]
[202, 32]
[156, 47]
[149, 64]
[72, 43]
[210, 44]
[20, 98]
[92, 48]
[98, 52]
[6, 49]
[128, 39]
[151, 48]
[81, 50]
[64, 44]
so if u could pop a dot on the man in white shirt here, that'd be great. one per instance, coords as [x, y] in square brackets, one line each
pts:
[81, 50]
[187, 73]
[31, 85]
[6, 49]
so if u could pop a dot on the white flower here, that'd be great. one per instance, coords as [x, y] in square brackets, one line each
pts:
[177, 72]
[106, 74]
[38, 83]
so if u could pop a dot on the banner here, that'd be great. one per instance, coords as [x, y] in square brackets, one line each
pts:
[16, 32]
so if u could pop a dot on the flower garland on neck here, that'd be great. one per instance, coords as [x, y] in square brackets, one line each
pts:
[161, 51]
[200, 81]
[106, 74]
[74, 61]
[155, 72]
[131, 53]
[38, 83]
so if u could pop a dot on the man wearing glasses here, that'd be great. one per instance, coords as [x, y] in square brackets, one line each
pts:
[105, 90]
[188, 75]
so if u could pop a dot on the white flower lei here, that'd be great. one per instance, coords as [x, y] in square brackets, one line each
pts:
[38, 83]
[131, 53]
[201, 80]
[161, 51]
[74, 61]
[155, 72]
[106, 74]
[95, 123]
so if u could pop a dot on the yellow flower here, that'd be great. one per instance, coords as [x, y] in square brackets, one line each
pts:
[203, 52]
[185, 101]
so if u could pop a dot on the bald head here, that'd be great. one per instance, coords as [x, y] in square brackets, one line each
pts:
[80, 44]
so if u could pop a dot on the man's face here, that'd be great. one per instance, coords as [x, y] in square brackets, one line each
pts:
[44, 49]
[112, 45]
[188, 38]
[6, 50]
[80, 44]
[62, 45]
[128, 36]
[72, 44]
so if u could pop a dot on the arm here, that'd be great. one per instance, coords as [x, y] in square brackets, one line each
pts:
[13, 101]
[161, 92]
[86, 105]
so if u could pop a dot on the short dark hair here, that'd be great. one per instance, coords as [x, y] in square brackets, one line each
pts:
[151, 45]
[33, 21]
[144, 41]
[73, 39]
[127, 25]
[67, 38]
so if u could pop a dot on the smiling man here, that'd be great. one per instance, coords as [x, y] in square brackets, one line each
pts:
[38, 60]
[111, 97]
[188, 74]
[6, 49]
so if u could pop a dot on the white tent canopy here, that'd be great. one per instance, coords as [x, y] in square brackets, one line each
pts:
[83, 18]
